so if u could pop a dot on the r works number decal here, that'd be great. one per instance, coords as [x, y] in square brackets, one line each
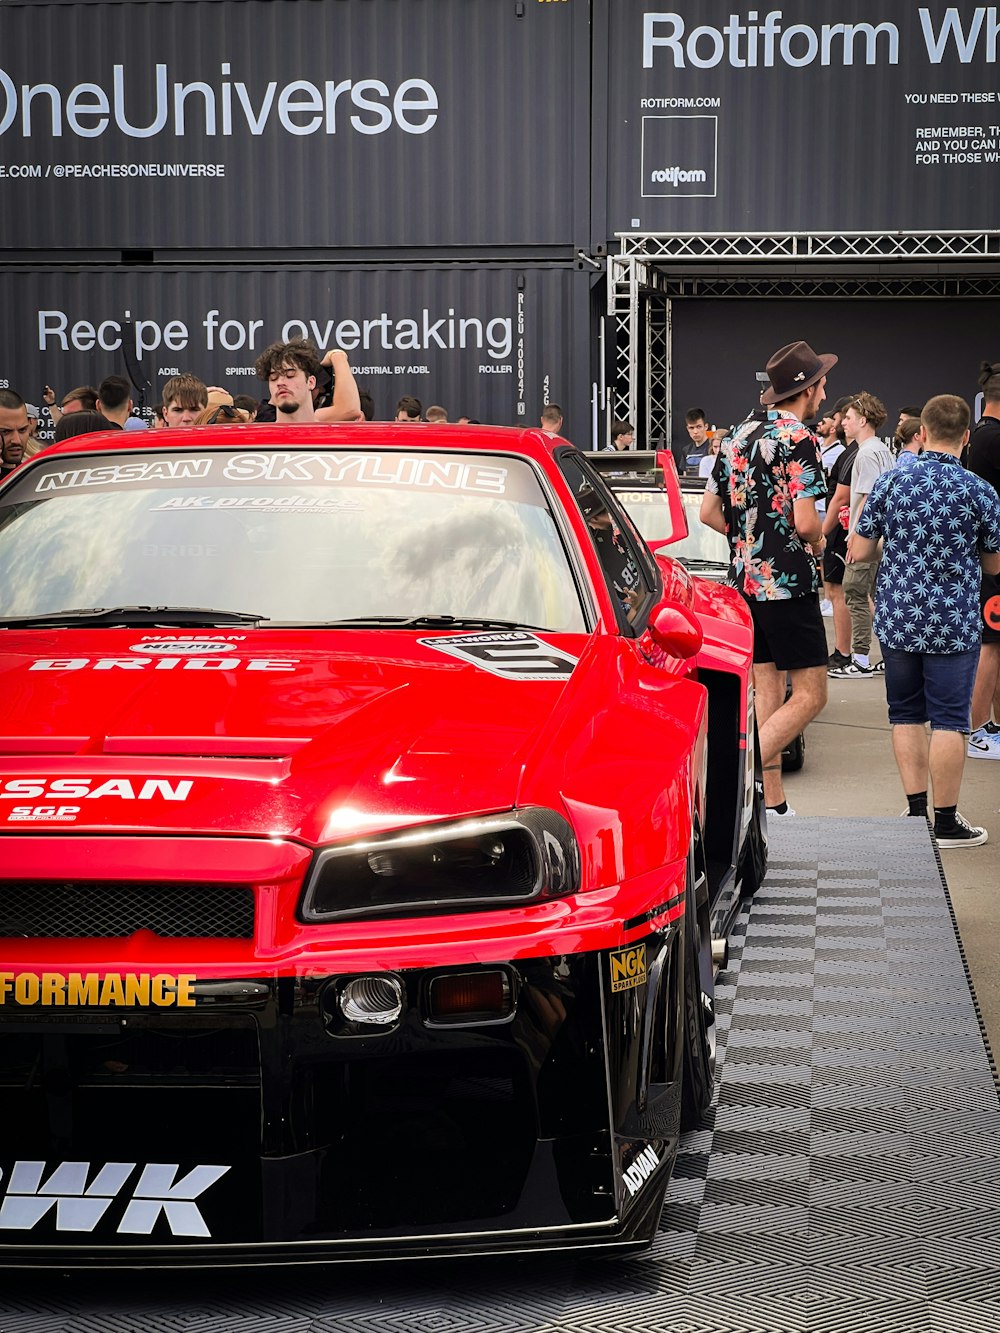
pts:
[512, 654]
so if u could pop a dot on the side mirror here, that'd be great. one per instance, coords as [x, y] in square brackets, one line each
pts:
[676, 631]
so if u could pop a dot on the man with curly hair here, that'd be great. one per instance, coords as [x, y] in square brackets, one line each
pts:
[762, 495]
[292, 371]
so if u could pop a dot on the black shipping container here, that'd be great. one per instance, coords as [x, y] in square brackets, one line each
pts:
[493, 342]
[285, 124]
[854, 117]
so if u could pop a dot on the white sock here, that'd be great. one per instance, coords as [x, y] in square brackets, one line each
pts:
[862, 661]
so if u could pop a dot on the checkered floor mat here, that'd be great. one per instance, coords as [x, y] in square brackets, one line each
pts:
[849, 1182]
[851, 1178]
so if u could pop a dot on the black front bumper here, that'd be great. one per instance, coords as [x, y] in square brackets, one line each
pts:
[255, 1130]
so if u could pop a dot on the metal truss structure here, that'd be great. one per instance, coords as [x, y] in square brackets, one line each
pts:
[653, 269]
[753, 247]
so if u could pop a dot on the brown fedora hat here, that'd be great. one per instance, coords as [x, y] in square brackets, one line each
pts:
[792, 369]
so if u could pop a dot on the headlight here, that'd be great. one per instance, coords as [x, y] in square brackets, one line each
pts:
[518, 856]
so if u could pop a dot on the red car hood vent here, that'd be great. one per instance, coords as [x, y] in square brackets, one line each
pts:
[206, 747]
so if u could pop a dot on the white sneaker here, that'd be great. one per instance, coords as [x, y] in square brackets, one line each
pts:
[772, 813]
[984, 743]
[826, 608]
[851, 671]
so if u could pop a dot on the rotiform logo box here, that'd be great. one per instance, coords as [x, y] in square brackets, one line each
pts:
[679, 156]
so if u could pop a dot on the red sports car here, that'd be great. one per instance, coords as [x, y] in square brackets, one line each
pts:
[374, 807]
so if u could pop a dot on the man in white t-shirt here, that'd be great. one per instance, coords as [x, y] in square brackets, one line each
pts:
[862, 418]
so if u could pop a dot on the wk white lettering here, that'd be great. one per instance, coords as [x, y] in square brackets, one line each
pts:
[79, 1207]
[156, 1192]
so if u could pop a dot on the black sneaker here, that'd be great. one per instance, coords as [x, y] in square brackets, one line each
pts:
[838, 659]
[961, 834]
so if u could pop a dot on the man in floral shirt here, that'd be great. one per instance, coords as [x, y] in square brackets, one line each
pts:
[941, 526]
[762, 495]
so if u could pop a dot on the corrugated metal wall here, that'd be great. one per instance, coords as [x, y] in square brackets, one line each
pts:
[550, 118]
[489, 341]
[802, 117]
[902, 351]
[502, 157]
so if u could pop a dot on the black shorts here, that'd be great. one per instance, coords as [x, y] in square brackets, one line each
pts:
[789, 633]
[835, 556]
[989, 606]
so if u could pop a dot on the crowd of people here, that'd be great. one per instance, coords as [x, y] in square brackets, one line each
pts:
[906, 545]
[301, 387]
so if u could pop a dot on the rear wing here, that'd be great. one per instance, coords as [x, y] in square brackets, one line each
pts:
[650, 473]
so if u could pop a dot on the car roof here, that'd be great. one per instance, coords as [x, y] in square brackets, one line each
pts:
[420, 435]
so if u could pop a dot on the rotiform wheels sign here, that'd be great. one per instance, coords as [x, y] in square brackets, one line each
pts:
[888, 113]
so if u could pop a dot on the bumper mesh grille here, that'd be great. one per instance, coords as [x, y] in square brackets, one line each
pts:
[109, 910]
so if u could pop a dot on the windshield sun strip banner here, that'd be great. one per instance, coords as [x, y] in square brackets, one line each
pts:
[470, 474]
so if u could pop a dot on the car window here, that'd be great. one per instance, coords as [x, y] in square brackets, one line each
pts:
[307, 535]
[628, 566]
[702, 549]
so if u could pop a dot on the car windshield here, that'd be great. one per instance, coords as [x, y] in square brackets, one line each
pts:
[303, 536]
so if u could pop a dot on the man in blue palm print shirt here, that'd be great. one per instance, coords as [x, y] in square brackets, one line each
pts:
[941, 526]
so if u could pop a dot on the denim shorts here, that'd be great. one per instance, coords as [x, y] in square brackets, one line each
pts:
[930, 687]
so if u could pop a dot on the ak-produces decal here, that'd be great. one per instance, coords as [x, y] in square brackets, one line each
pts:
[163, 990]
[262, 504]
[628, 968]
[512, 654]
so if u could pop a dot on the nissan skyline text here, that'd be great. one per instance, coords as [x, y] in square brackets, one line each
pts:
[374, 808]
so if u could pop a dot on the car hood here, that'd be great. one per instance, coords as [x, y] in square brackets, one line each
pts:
[319, 736]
